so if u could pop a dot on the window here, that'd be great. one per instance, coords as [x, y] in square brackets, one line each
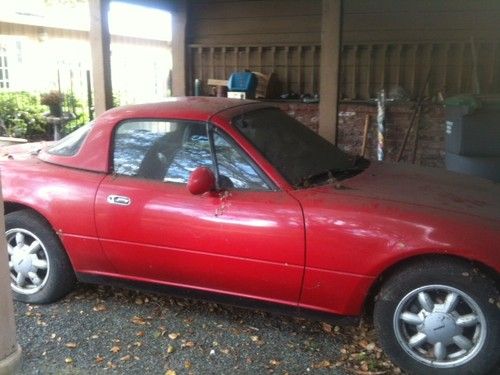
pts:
[4, 71]
[170, 151]
[234, 167]
[70, 145]
[160, 150]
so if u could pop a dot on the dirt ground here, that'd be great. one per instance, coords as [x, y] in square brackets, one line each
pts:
[102, 330]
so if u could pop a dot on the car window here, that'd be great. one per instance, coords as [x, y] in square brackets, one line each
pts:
[70, 145]
[234, 167]
[160, 150]
[294, 150]
[170, 150]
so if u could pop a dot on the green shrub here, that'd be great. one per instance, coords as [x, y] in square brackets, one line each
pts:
[74, 105]
[22, 116]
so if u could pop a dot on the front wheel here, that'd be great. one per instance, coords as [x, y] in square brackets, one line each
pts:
[439, 317]
[40, 270]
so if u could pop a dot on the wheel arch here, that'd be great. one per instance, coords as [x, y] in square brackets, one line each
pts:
[413, 260]
[10, 207]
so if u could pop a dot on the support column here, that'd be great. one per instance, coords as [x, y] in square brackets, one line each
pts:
[331, 27]
[179, 61]
[101, 55]
[10, 351]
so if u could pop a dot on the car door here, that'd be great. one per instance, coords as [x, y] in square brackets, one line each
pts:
[246, 240]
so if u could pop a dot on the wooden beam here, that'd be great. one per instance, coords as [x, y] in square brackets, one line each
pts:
[179, 61]
[101, 55]
[329, 71]
[10, 351]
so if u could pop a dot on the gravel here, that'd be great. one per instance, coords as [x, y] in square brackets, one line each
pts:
[102, 330]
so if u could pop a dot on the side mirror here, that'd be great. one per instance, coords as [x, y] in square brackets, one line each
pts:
[201, 180]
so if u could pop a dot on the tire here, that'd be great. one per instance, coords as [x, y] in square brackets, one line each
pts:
[439, 316]
[39, 267]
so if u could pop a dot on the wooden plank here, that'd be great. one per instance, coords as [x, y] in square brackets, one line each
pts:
[369, 68]
[353, 72]
[224, 55]
[249, 26]
[420, 35]
[287, 86]
[413, 74]
[263, 39]
[444, 67]
[492, 70]
[179, 63]
[397, 65]
[217, 82]
[329, 73]
[262, 8]
[444, 6]
[422, 20]
[460, 70]
[428, 69]
[101, 56]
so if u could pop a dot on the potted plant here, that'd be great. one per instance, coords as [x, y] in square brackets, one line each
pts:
[53, 100]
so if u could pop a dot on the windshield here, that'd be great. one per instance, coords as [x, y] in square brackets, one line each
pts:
[293, 149]
[70, 145]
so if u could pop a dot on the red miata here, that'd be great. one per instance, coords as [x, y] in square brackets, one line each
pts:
[229, 199]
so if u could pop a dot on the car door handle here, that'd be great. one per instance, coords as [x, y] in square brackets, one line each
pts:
[119, 200]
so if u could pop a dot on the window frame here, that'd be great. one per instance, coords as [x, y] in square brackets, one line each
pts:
[211, 129]
[214, 129]
[4, 68]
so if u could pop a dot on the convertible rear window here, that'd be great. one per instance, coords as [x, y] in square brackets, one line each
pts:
[70, 145]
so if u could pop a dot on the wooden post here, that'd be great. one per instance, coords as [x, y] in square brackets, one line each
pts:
[10, 351]
[101, 55]
[179, 63]
[329, 71]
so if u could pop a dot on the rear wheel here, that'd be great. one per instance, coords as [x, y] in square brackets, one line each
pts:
[439, 317]
[40, 270]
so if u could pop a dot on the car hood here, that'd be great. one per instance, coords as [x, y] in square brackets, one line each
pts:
[429, 187]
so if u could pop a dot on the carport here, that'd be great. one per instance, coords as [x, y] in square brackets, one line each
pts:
[344, 52]
[371, 77]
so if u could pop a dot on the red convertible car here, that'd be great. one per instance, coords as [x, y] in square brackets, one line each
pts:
[234, 200]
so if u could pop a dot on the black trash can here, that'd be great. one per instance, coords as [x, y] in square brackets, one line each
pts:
[472, 137]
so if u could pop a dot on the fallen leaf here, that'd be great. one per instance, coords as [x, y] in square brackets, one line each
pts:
[322, 364]
[99, 359]
[71, 345]
[115, 349]
[254, 338]
[100, 307]
[370, 346]
[187, 344]
[173, 336]
[138, 320]
[140, 334]
[126, 357]
[68, 360]
[274, 362]
[326, 327]
[170, 349]
[170, 372]
[187, 364]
